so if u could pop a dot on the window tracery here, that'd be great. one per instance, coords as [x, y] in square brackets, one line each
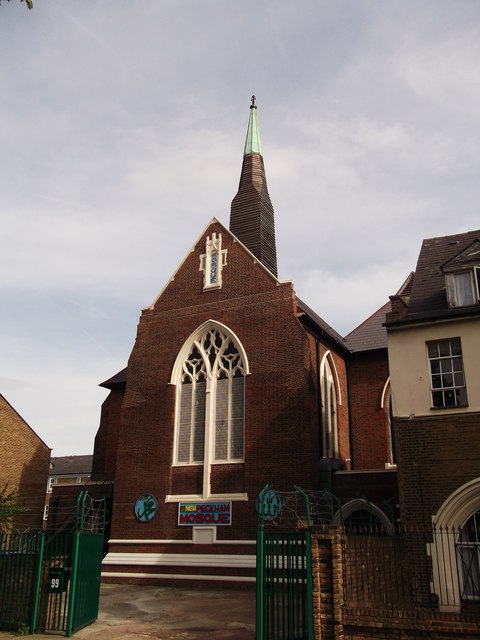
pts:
[210, 401]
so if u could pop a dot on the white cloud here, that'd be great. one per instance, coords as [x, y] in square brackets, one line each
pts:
[342, 300]
[122, 134]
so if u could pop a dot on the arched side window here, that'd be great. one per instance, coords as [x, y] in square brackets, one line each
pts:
[456, 531]
[468, 553]
[210, 377]
[328, 381]
[386, 405]
[361, 516]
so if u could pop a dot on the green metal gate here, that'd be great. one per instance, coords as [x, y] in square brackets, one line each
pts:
[284, 576]
[51, 582]
[84, 598]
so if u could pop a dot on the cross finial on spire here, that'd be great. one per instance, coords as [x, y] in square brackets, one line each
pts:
[254, 106]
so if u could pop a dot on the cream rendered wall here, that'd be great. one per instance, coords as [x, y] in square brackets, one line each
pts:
[410, 370]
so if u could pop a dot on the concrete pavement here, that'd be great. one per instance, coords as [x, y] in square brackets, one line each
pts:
[128, 612]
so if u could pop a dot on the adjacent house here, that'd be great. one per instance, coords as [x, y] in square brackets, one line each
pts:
[24, 467]
[67, 471]
[434, 358]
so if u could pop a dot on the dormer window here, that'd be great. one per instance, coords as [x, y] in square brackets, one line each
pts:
[463, 289]
[462, 277]
[467, 285]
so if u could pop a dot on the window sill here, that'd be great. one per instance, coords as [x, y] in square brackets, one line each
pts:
[183, 465]
[186, 465]
[457, 406]
[234, 497]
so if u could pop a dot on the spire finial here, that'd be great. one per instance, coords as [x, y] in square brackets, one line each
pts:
[252, 143]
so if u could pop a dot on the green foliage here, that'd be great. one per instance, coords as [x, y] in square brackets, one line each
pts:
[23, 630]
[29, 3]
[10, 507]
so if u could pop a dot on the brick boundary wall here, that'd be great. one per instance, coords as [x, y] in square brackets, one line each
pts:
[334, 620]
[327, 572]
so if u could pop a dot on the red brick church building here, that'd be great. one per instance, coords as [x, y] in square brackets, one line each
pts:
[233, 382]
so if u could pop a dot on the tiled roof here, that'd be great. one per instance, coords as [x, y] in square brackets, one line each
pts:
[320, 323]
[118, 378]
[371, 334]
[428, 298]
[71, 465]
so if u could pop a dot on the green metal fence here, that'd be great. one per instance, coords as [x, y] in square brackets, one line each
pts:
[51, 581]
[18, 579]
[284, 575]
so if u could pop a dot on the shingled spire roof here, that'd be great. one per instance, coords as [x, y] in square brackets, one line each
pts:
[251, 215]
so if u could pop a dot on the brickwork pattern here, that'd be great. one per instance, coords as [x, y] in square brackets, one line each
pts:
[327, 574]
[368, 375]
[106, 439]
[437, 455]
[335, 618]
[25, 465]
[282, 423]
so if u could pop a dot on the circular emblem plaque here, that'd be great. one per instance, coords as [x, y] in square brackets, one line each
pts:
[146, 507]
[270, 506]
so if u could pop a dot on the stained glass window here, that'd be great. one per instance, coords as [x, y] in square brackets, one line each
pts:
[214, 360]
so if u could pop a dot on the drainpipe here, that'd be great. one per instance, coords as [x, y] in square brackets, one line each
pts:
[349, 404]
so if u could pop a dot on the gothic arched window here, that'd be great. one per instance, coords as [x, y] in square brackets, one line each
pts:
[468, 553]
[191, 415]
[456, 534]
[329, 408]
[210, 381]
[387, 405]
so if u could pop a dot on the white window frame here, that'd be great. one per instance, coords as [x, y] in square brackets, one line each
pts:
[386, 406]
[437, 376]
[211, 372]
[453, 292]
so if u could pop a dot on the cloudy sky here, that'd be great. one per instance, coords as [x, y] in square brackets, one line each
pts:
[122, 127]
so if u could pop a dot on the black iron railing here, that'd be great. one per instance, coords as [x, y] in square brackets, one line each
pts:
[435, 568]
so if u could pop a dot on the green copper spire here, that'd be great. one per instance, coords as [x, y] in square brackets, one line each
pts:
[251, 214]
[252, 143]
